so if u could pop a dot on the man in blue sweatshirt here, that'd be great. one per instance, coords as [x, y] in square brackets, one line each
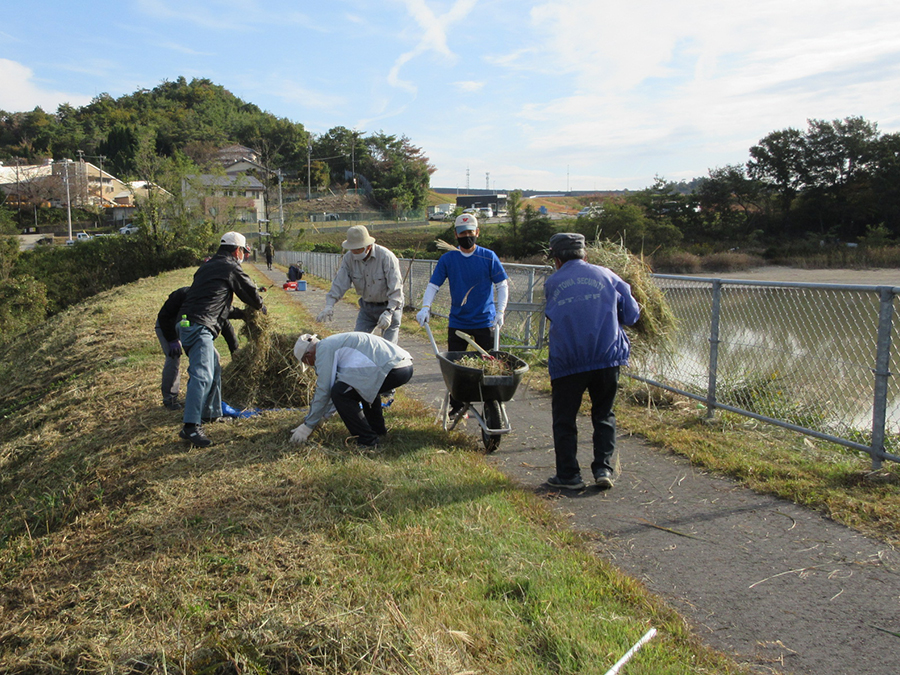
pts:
[587, 306]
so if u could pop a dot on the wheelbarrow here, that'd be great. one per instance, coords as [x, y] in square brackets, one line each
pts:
[471, 385]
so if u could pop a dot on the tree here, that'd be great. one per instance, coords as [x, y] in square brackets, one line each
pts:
[778, 160]
[732, 205]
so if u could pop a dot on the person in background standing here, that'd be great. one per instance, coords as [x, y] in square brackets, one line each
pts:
[587, 306]
[269, 251]
[374, 272]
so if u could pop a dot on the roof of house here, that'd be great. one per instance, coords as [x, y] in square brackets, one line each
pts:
[8, 174]
[234, 180]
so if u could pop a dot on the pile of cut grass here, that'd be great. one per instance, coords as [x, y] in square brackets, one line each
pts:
[656, 325]
[264, 373]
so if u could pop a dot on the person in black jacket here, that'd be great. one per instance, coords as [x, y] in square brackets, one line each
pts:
[167, 333]
[208, 300]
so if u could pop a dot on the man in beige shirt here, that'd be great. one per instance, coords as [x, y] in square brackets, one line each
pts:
[374, 272]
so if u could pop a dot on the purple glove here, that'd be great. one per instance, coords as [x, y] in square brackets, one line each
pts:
[175, 349]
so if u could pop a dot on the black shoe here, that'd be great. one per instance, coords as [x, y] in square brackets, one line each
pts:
[173, 405]
[604, 479]
[195, 437]
[573, 483]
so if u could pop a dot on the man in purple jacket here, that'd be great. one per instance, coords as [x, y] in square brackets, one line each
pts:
[587, 305]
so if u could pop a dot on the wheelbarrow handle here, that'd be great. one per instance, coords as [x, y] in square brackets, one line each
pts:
[431, 337]
[468, 338]
[496, 338]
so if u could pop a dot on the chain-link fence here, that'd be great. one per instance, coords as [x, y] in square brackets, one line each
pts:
[814, 358]
[524, 326]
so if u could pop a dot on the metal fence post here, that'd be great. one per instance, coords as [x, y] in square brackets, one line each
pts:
[713, 348]
[882, 373]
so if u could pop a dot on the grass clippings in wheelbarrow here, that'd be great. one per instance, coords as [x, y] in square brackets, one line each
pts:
[264, 373]
[496, 366]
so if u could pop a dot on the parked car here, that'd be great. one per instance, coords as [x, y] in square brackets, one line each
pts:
[590, 211]
[486, 212]
[438, 215]
[128, 229]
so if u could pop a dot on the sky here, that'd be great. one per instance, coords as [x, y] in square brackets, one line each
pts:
[549, 95]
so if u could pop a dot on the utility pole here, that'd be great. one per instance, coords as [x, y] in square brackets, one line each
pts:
[308, 169]
[66, 162]
[487, 181]
[280, 201]
[353, 159]
[83, 173]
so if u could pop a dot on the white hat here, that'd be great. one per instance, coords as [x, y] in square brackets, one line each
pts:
[235, 239]
[466, 223]
[301, 345]
[358, 237]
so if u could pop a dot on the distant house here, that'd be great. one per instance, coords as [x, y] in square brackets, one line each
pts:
[228, 198]
[60, 182]
[235, 153]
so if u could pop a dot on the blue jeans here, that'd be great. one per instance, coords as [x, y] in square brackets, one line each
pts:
[204, 389]
[567, 393]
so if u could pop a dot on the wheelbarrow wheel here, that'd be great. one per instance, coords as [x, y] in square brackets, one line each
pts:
[493, 420]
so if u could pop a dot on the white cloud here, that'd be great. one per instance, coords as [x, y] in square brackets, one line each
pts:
[19, 91]
[469, 86]
[433, 36]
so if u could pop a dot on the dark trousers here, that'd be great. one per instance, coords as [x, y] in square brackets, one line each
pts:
[484, 338]
[566, 399]
[366, 423]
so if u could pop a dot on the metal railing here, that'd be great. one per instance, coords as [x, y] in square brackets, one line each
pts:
[813, 358]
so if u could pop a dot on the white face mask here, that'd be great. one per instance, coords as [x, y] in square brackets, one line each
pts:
[360, 256]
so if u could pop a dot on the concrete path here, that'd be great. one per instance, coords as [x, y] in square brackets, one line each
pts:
[777, 586]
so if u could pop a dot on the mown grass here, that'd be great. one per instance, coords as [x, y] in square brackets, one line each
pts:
[122, 550]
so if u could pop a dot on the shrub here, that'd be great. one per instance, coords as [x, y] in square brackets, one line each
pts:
[675, 262]
[730, 261]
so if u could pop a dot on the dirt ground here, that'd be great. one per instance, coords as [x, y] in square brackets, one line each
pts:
[870, 277]
[780, 588]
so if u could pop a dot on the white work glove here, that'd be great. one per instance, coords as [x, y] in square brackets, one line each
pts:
[498, 320]
[326, 314]
[423, 315]
[384, 321]
[301, 434]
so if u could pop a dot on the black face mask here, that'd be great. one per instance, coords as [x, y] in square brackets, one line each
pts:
[467, 241]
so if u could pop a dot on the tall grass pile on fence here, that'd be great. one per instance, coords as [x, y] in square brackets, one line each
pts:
[264, 373]
[654, 329]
